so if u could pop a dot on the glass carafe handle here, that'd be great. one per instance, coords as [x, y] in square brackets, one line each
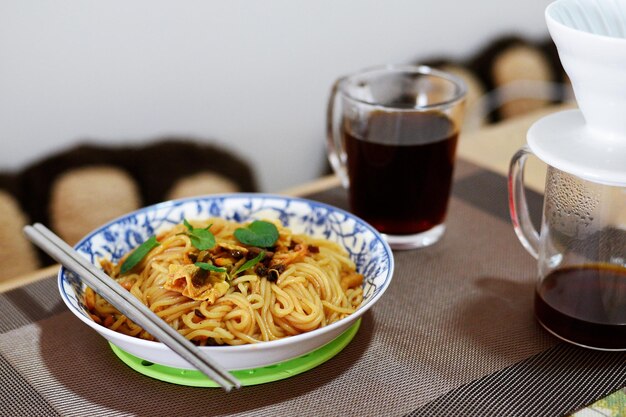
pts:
[334, 144]
[518, 208]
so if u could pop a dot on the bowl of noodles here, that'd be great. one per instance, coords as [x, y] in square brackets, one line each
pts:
[252, 279]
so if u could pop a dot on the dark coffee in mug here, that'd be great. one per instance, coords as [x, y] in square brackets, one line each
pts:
[585, 304]
[400, 168]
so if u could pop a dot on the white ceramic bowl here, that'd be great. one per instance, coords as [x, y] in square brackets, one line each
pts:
[367, 248]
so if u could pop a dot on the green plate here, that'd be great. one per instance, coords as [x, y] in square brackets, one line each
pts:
[247, 377]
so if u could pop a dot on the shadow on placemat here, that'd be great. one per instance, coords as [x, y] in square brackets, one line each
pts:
[496, 202]
[497, 296]
[83, 364]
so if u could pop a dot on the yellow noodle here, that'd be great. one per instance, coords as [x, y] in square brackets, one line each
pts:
[307, 293]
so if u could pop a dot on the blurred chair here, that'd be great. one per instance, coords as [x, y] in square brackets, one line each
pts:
[516, 95]
[81, 188]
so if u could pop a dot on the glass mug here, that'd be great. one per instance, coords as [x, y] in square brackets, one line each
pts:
[581, 251]
[391, 138]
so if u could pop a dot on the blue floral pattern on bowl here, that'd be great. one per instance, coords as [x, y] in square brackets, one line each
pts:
[366, 247]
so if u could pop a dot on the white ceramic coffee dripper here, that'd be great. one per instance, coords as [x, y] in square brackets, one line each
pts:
[581, 249]
[590, 142]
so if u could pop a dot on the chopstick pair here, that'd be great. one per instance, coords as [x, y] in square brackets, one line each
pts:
[127, 304]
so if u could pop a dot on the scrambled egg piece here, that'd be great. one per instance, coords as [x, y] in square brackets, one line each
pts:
[195, 283]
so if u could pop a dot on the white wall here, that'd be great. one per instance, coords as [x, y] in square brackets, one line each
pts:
[254, 75]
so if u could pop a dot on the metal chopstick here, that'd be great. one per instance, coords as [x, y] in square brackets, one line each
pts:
[127, 304]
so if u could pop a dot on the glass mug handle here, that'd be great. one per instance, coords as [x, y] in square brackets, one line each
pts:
[518, 208]
[334, 143]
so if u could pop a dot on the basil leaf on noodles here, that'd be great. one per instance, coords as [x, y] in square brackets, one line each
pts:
[139, 253]
[249, 264]
[209, 267]
[258, 233]
[202, 239]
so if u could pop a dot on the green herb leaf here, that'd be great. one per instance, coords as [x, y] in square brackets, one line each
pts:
[202, 239]
[209, 267]
[258, 233]
[249, 264]
[139, 253]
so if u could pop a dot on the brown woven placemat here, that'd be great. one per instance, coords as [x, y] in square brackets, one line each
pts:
[455, 314]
